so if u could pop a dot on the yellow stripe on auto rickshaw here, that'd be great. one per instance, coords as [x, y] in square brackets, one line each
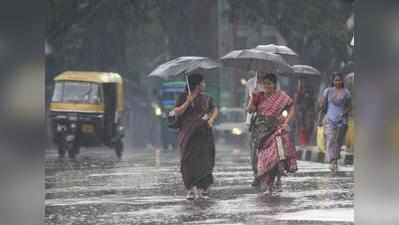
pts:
[76, 107]
[97, 77]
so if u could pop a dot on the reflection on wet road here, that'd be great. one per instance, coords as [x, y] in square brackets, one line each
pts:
[146, 188]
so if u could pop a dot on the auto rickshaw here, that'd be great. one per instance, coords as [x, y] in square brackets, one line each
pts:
[87, 109]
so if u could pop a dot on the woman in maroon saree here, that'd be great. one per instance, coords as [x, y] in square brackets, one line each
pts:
[275, 151]
[196, 114]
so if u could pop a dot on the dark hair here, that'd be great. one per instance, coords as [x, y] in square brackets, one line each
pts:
[269, 76]
[194, 80]
[337, 74]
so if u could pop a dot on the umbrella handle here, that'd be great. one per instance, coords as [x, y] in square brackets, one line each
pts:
[256, 77]
[188, 88]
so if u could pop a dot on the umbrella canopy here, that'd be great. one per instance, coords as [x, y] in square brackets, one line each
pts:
[288, 54]
[183, 65]
[257, 60]
[305, 70]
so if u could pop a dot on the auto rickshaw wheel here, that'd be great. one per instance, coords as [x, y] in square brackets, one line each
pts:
[61, 151]
[119, 148]
[73, 150]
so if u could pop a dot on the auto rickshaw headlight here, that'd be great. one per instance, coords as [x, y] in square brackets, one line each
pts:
[60, 128]
[121, 131]
[73, 117]
[236, 131]
[60, 117]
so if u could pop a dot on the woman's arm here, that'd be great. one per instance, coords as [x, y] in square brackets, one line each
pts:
[323, 98]
[348, 105]
[347, 110]
[213, 116]
[291, 113]
[321, 102]
[183, 107]
[251, 108]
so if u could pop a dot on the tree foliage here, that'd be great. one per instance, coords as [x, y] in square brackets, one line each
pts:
[133, 36]
[316, 29]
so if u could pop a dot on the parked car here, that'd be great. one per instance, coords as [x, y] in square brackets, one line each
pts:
[230, 127]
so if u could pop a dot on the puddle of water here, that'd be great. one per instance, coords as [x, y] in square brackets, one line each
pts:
[328, 215]
[214, 222]
[114, 200]
[246, 204]
[166, 210]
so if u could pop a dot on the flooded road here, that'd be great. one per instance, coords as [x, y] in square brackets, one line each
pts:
[145, 187]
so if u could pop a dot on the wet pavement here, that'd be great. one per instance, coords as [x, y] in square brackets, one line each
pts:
[145, 187]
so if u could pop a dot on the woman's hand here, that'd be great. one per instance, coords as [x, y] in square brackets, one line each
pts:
[251, 106]
[213, 117]
[210, 123]
[182, 108]
[190, 98]
[285, 126]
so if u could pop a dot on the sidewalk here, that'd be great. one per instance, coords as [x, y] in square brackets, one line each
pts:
[312, 153]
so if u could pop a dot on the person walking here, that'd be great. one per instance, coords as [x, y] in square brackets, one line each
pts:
[305, 112]
[275, 151]
[196, 113]
[251, 88]
[336, 102]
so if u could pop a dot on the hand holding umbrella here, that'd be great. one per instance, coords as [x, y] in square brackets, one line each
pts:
[183, 66]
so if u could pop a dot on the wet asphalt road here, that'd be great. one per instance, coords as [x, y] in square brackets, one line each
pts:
[145, 187]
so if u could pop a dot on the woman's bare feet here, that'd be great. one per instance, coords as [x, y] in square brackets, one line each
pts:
[279, 185]
[204, 193]
[197, 193]
[255, 182]
[281, 169]
[190, 195]
[333, 166]
[269, 191]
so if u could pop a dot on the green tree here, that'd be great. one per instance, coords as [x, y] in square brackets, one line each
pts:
[313, 28]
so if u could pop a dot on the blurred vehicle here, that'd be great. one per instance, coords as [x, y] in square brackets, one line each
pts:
[87, 109]
[169, 93]
[231, 128]
[350, 134]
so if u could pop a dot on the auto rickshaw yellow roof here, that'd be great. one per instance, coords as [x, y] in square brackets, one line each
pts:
[97, 77]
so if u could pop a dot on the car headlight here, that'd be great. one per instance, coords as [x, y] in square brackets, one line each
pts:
[236, 131]
[158, 111]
